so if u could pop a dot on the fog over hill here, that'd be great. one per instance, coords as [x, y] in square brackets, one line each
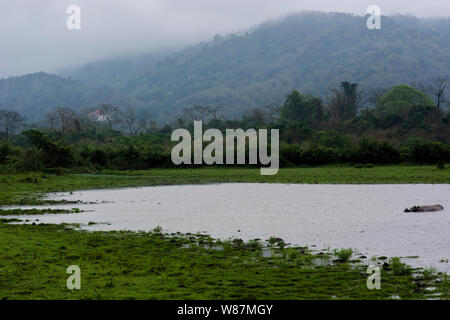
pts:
[311, 52]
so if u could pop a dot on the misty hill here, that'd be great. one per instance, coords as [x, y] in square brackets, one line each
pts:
[33, 95]
[310, 52]
[115, 73]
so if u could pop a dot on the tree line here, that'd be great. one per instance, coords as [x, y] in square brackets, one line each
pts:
[404, 125]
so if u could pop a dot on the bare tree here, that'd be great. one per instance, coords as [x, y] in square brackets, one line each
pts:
[343, 104]
[334, 105]
[420, 86]
[152, 126]
[60, 120]
[203, 113]
[376, 94]
[260, 117]
[438, 90]
[10, 121]
[146, 124]
[130, 121]
[111, 114]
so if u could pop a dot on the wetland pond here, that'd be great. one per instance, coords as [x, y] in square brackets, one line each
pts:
[367, 218]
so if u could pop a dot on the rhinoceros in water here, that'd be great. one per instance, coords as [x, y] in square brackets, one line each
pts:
[436, 207]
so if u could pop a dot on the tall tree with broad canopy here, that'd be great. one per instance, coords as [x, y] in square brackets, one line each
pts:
[302, 107]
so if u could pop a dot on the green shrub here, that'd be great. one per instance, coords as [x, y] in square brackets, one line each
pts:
[372, 151]
[344, 255]
[98, 156]
[5, 151]
[317, 155]
[290, 153]
[278, 242]
[429, 273]
[429, 152]
[399, 268]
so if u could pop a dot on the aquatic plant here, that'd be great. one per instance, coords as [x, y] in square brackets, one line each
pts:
[19, 212]
[429, 273]
[398, 267]
[276, 242]
[344, 255]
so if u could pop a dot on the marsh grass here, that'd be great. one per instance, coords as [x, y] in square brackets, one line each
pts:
[429, 273]
[344, 255]
[155, 265]
[19, 212]
[399, 268]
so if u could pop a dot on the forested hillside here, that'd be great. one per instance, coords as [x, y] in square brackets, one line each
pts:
[309, 52]
[33, 95]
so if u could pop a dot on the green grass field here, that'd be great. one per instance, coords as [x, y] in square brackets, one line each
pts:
[127, 265]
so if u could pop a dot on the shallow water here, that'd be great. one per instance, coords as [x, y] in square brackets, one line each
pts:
[368, 218]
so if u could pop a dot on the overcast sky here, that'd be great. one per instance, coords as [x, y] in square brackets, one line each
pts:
[34, 35]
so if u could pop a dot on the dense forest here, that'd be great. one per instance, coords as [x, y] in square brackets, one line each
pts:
[309, 52]
[405, 125]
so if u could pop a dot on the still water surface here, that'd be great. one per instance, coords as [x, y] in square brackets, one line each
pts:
[368, 218]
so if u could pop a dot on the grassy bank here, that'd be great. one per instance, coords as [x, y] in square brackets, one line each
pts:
[125, 265]
[21, 188]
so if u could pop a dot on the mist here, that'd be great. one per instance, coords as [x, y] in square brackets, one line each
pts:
[35, 38]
